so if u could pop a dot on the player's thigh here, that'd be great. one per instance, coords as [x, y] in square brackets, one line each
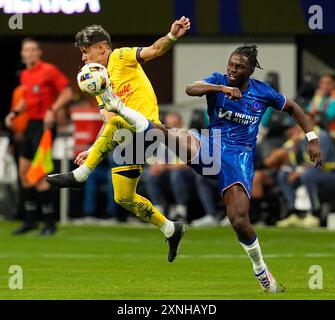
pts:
[182, 142]
[125, 183]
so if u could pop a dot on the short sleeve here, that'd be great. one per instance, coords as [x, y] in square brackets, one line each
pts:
[59, 80]
[128, 56]
[330, 111]
[214, 78]
[276, 99]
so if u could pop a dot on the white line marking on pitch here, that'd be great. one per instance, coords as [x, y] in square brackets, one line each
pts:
[182, 256]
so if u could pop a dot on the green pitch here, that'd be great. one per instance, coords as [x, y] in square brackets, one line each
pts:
[108, 262]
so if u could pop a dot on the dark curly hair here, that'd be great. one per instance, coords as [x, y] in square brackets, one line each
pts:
[251, 53]
[91, 35]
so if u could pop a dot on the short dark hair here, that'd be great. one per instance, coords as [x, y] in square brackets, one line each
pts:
[30, 39]
[328, 75]
[251, 53]
[91, 35]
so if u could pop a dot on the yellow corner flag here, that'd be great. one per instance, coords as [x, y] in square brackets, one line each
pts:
[42, 163]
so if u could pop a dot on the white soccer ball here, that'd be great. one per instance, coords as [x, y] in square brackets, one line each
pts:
[93, 79]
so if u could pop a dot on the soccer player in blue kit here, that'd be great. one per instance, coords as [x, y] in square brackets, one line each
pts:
[236, 103]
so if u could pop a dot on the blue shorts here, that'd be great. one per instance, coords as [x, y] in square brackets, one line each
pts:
[229, 164]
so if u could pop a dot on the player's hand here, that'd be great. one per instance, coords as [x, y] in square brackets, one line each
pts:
[49, 118]
[9, 119]
[232, 93]
[314, 152]
[180, 27]
[81, 157]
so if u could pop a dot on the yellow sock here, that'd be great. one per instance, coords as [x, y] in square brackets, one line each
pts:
[106, 143]
[126, 196]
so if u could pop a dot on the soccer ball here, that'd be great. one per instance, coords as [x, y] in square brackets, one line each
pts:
[93, 79]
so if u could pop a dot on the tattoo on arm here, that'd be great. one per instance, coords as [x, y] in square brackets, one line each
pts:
[163, 45]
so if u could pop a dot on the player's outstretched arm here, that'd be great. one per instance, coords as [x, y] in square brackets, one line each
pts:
[162, 45]
[314, 150]
[200, 88]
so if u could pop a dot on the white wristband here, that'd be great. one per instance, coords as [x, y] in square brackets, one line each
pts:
[172, 37]
[311, 136]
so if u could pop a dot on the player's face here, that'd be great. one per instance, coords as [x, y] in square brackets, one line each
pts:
[326, 85]
[92, 55]
[173, 121]
[30, 53]
[238, 70]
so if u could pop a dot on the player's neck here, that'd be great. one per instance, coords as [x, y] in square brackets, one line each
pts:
[33, 64]
[244, 85]
[108, 55]
[105, 57]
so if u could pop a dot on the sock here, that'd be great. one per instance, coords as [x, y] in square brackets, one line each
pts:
[30, 205]
[167, 228]
[254, 252]
[47, 208]
[138, 121]
[126, 196]
[82, 173]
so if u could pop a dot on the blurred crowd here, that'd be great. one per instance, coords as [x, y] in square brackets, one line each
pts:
[287, 190]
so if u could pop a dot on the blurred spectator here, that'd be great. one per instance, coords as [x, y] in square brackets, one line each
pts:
[307, 88]
[101, 179]
[260, 190]
[46, 90]
[206, 188]
[87, 123]
[302, 172]
[207, 191]
[322, 105]
[178, 176]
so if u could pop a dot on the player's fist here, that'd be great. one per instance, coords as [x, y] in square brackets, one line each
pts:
[81, 157]
[9, 119]
[180, 27]
[232, 93]
[314, 152]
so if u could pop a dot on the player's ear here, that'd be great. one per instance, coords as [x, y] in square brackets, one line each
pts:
[252, 70]
[102, 49]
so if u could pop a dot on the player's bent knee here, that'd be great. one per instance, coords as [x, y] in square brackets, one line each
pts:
[240, 225]
[116, 122]
[239, 219]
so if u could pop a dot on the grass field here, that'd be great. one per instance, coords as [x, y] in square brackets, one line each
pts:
[109, 262]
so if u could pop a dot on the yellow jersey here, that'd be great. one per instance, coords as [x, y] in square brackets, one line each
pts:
[131, 83]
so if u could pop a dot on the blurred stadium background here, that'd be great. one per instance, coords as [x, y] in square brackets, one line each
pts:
[293, 58]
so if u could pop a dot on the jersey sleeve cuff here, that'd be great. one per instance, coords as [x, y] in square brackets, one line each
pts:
[138, 55]
[282, 107]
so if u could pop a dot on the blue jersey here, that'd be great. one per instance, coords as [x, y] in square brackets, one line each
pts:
[238, 121]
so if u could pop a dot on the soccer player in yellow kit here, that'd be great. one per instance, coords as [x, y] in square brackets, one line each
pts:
[134, 88]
